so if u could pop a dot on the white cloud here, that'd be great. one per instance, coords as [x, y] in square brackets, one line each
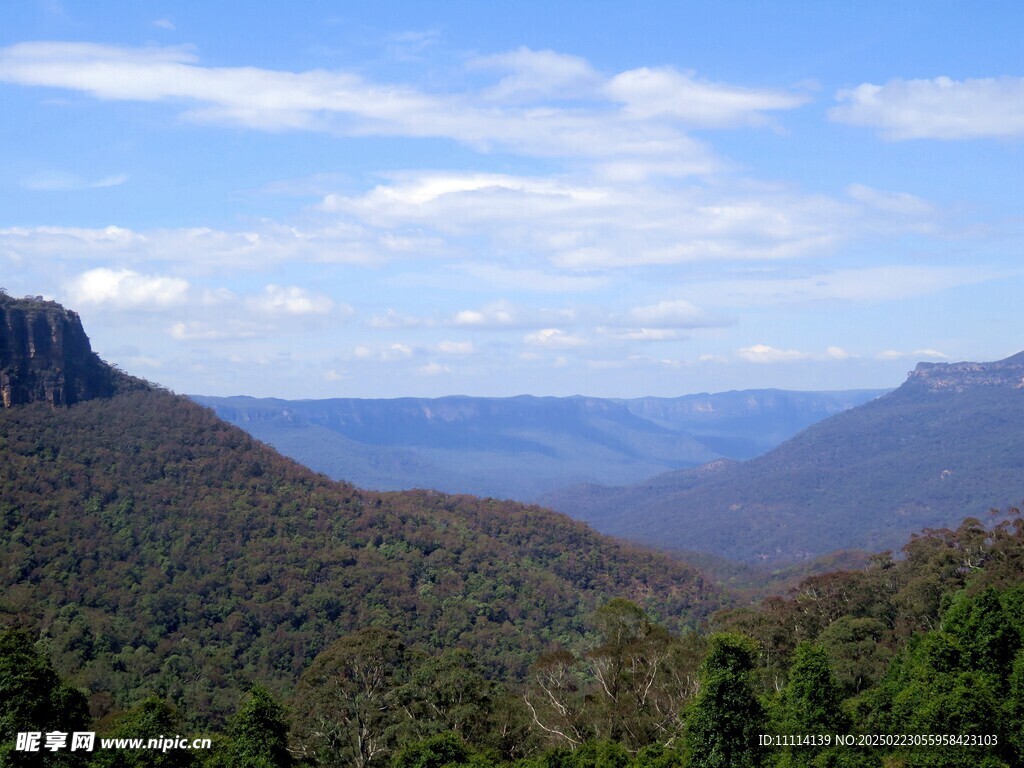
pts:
[332, 374]
[71, 241]
[643, 334]
[342, 102]
[837, 353]
[164, 24]
[539, 74]
[553, 338]
[676, 313]
[433, 369]
[478, 197]
[663, 321]
[940, 108]
[762, 353]
[411, 44]
[666, 92]
[900, 203]
[533, 279]
[292, 300]
[201, 249]
[495, 315]
[125, 289]
[579, 226]
[892, 354]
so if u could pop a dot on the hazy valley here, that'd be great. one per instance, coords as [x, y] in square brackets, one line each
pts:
[524, 447]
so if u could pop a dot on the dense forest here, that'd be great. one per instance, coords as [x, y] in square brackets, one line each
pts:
[160, 551]
[915, 660]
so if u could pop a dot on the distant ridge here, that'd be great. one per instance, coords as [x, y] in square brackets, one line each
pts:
[947, 444]
[523, 447]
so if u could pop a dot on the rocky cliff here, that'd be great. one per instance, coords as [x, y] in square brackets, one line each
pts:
[958, 377]
[45, 355]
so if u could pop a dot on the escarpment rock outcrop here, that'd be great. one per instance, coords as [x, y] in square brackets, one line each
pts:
[958, 377]
[45, 355]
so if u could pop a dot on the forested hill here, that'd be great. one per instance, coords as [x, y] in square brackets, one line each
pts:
[161, 550]
[949, 442]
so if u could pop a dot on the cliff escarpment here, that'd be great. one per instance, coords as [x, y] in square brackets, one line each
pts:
[960, 377]
[45, 356]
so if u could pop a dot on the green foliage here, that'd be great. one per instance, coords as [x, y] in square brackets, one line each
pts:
[658, 756]
[984, 631]
[1014, 710]
[34, 699]
[439, 751]
[631, 687]
[600, 754]
[347, 704]
[811, 703]
[259, 733]
[945, 682]
[152, 719]
[726, 718]
[857, 650]
[168, 554]
[449, 692]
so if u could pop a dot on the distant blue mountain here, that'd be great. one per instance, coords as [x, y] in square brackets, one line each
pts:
[947, 444]
[523, 447]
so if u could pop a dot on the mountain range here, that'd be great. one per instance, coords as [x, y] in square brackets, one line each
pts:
[524, 447]
[946, 444]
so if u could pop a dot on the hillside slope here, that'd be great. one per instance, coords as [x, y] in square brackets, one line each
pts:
[948, 443]
[161, 550]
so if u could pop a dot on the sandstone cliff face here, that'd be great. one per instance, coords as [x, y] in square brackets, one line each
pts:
[957, 377]
[45, 355]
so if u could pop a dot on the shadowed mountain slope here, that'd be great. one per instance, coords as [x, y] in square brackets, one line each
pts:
[948, 443]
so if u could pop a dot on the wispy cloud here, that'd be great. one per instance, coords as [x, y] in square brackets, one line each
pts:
[940, 108]
[203, 249]
[62, 181]
[931, 354]
[536, 75]
[554, 338]
[666, 92]
[673, 313]
[291, 300]
[636, 114]
[870, 284]
[581, 225]
[763, 353]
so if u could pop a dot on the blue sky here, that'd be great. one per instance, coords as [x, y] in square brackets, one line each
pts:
[332, 199]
